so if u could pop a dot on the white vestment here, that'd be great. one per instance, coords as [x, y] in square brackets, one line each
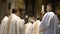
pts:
[29, 28]
[14, 25]
[17, 25]
[3, 25]
[36, 27]
[49, 24]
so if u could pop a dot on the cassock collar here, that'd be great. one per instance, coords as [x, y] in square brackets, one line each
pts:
[13, 14]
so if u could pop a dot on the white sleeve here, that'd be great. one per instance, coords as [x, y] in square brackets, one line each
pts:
[20, 27]
[45, 22]
[2, 26]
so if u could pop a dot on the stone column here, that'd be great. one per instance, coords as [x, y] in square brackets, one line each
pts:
[2, 9]
[37, 8]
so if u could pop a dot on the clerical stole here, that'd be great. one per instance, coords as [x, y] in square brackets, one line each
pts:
[35, 28]
[8, 25]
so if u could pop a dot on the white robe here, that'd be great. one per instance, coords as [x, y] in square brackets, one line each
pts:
[14, 25]
[3, 25]
[49, 24]
[36, 27]
[17, 25]
[29, 28]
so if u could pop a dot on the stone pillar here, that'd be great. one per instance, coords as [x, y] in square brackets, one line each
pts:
[37, 8]
[2, 9]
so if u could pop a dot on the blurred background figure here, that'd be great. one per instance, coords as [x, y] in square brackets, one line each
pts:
[28, 28]
[26, 19]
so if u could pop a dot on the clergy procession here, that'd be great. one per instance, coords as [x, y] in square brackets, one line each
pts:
[18, 22]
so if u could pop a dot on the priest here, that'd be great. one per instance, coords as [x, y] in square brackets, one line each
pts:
[49, 23]
[36, 27]
[28, 28]
[14, 24]
[3, 25]
[17, 24]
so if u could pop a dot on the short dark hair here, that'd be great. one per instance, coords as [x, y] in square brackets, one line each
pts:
[52, 6]
[14, 10]
[20, 9]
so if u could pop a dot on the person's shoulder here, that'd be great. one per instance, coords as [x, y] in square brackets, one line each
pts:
[15, 18]
[5, 18]
[30, 23]
[22, 20]
[38, 21]
[51, 13]
[18, 18]
[27, 24]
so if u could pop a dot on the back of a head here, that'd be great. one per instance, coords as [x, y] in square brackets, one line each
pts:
[14, 10]
[21, 10]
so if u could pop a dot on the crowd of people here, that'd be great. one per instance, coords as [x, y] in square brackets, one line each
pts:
[14, 23]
